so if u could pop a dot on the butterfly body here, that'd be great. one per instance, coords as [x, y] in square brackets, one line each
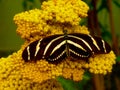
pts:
[58, 47]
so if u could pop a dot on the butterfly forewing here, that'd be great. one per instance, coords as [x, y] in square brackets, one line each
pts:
[29, 52]
[102, 46]
[107, 47]
[55, 49]
[45, 47]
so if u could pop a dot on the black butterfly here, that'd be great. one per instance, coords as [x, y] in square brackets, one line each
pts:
[58, 47]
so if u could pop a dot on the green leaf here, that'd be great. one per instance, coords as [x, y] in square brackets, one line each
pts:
[116, 3]
[84, 84]
[32, 1]
[106, 35]
[72, 85]
[118, 59]
[24, 5]
[83, 21]
[89, 3]
[67, 84]
[103, 6]
[87, 76]
[28, 4]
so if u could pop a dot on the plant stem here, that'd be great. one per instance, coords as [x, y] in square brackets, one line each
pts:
[117, 83]
[114, 39]
[93, 23]
[98, 81]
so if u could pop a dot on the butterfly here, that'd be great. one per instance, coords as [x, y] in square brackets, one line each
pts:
[59, 47]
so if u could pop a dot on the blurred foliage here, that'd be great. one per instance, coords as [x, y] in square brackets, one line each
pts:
[71, 85]
[117, 3]
[5, 53]
[103, 6]
[118, 59]
[106, 35]
[89, 3]
[29, 4]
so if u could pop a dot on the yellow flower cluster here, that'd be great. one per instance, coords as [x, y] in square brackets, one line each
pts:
[17, 74]
[69, 69]
[74, 74]
[102, 64]
[67, 11]
[54, 17]
[42, 70]
[11, 77]
[29, 24]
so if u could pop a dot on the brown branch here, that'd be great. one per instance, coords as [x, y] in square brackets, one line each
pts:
[117, 83]
[98, 81]
[93, 23]
[114, 39]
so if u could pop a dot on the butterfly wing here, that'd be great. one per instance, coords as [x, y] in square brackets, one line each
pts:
[78, 47]
[58, 47]
[51, 48]
[55, 49]
[29, 52]
[82, 46]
